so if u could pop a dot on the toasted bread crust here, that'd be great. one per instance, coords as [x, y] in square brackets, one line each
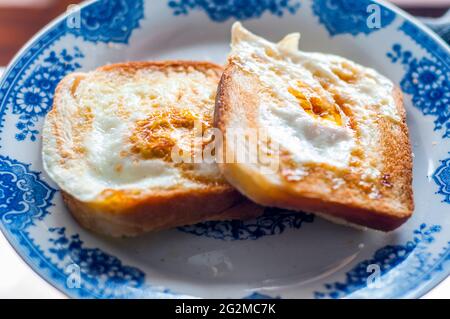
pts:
[129, 213]
[315, 192]
[161, 210]
[161, 65]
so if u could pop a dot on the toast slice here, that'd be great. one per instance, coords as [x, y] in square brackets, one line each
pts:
[108, 144]
[336, 130]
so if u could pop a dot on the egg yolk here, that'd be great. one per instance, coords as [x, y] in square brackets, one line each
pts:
[152, 136]
[313, 101]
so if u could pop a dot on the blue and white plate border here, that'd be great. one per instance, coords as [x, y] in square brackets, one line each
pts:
[25, 255]
[443, 269]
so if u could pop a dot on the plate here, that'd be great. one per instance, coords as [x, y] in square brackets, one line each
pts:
[279, 255]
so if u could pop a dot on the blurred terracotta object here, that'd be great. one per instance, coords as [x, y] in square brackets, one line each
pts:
[21, 19]
[25, 3]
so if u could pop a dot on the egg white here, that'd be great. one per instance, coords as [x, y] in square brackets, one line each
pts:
[307, 139]
[116, 103]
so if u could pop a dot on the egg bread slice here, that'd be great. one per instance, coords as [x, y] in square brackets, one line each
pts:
[108, 139]
[338, 131]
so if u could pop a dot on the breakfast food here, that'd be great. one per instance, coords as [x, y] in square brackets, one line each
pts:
[338, 130]
[107, 143]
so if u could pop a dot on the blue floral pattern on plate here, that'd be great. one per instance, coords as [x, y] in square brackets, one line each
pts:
[428, 82]
[100, 273]
[425, 41]
[273, 222]
[350, 16]
[223, 10]
[33, 97]
[387, 258]
[442, 178]
[24, 198]
[109, 21]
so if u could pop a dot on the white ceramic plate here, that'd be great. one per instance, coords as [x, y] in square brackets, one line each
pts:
[283, 254]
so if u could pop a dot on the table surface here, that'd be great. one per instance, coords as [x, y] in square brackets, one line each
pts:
[17, 280]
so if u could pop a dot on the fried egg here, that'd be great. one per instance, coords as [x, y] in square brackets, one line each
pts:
[319, 108]
[115, 129]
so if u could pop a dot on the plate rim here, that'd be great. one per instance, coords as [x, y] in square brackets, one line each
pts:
[416, 292]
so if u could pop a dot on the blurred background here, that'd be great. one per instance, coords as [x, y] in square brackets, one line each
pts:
[21, 19]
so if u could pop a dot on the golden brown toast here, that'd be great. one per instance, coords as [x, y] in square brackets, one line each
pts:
[107, 143]
[339, 128]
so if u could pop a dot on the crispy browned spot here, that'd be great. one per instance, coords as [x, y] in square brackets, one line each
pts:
[75, 85]
[386, 180]
[119, 168]
[82, 124]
